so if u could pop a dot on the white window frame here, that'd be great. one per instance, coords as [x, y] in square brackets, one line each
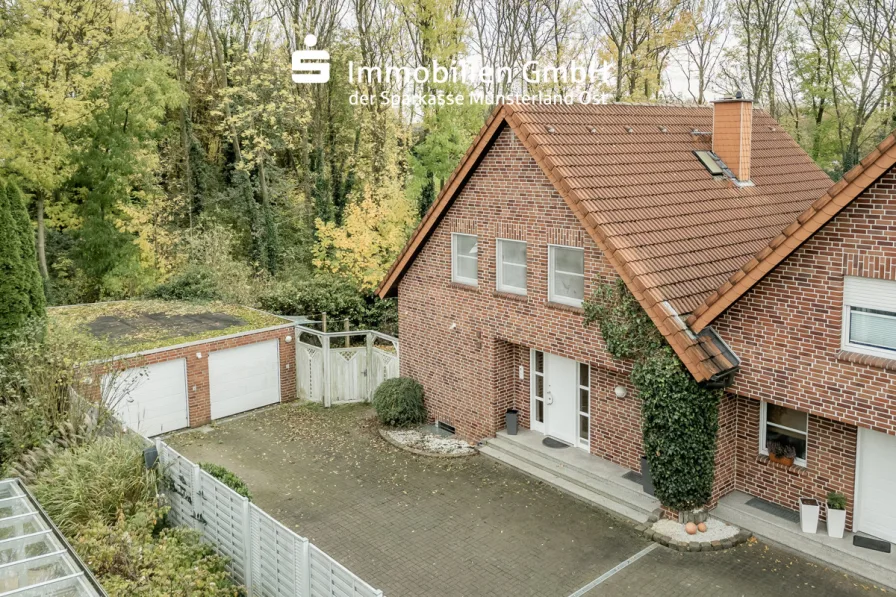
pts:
[883, 302]
[499, 263]
[763, 427]
[455, 277]
[552, 296]
[535, 425]
[585, 444]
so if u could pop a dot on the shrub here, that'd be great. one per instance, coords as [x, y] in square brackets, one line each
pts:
[399, 401]
[95, 482]
[195, 282]
[226, 477]
[338, 297]
[131, 557]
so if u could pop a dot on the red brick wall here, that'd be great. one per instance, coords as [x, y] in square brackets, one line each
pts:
[464, 369]
[726, 448]
[197, 368]
[786, 331]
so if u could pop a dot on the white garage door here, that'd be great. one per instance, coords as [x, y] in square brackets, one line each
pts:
[876, 485]
[244, 378]
[152, 399]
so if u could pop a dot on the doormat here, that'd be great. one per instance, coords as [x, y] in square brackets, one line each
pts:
[871, 543]
[774, 509]
[553, 443]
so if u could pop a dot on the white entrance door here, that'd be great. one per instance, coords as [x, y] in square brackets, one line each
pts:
[561, 414]
[876, 485]
[244, 378]
[150, 400]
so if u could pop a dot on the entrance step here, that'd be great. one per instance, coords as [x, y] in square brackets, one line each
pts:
[739, 509]
[573, 471]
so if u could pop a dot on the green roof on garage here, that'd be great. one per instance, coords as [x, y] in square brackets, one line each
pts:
[135, 326]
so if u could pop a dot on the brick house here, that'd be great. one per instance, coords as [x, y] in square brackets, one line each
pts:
[687, 206]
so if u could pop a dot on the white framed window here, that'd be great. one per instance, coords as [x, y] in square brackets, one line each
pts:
[536, 417]
[512, 268]
[566, 275]
[464, 259]
[869, 316]
[785, 428]
[584, 400]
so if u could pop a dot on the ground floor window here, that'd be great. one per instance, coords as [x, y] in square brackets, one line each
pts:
[784, 429]
[584, 405]
[538, 387]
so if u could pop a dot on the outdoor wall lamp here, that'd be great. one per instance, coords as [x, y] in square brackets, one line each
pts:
[621, 391]
[198, 355]
[288, 339]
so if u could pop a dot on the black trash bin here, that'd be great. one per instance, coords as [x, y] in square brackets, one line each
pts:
[512, 421]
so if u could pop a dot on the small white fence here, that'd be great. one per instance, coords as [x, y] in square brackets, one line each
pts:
[265, 556]
[339, 367]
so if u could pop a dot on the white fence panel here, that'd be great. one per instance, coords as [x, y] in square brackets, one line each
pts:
[223, 515]
[310, 372]
[180, 478]
[277, 558]
[268, 558]
[330, 579]
[383, 366]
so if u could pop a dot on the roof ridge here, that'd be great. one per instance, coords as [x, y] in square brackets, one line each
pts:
[820, 212]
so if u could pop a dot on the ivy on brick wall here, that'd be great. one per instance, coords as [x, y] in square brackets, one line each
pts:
[679, 418]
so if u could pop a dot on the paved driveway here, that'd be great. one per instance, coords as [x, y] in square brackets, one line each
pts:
[417, 526]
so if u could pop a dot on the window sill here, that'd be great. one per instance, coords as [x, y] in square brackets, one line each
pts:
[511, 295]
[462, 286]
[562, 307]
[847, 356]
[794, 469]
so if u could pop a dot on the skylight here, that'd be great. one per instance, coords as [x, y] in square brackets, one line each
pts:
[709, 162]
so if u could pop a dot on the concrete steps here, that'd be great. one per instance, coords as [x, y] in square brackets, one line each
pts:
[877, 567]
[574, 472]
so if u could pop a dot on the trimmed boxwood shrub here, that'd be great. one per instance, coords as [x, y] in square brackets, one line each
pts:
[226, 477]
[399, 402]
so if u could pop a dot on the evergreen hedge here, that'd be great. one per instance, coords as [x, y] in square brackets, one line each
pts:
[20, 283]
[399, 402]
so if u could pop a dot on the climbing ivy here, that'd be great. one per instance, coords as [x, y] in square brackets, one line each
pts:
[679, 418]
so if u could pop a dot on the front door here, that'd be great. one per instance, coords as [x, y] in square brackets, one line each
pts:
[561, 414]
[876, 485]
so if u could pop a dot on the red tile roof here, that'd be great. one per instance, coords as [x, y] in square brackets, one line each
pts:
[673, 232]
[798, 231]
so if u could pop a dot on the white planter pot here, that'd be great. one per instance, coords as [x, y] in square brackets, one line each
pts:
[836, 522]
[809, 509]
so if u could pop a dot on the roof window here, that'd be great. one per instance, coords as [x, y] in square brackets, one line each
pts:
[710, 162]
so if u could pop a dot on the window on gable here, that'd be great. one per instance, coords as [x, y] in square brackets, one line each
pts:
[784, 429]
[869, 316]
[566, 275]
[512, 266]
[464, 259]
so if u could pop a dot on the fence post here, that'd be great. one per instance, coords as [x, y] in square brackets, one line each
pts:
[197, 499]
[325, 345]
[370, 367]
[306, 568]
[347, 326]
[247, 547]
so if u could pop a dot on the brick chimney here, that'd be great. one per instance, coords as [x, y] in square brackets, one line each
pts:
[732, 132]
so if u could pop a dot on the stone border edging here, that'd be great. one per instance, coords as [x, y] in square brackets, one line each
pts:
[647, 530]
[400, 445]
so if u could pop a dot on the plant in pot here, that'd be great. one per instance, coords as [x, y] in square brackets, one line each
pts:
[836, 514]
[781, 452]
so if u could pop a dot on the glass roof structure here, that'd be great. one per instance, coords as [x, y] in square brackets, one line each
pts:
[35, 559]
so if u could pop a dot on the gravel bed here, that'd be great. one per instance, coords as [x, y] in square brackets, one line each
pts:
[427, 442]
[716, 530]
